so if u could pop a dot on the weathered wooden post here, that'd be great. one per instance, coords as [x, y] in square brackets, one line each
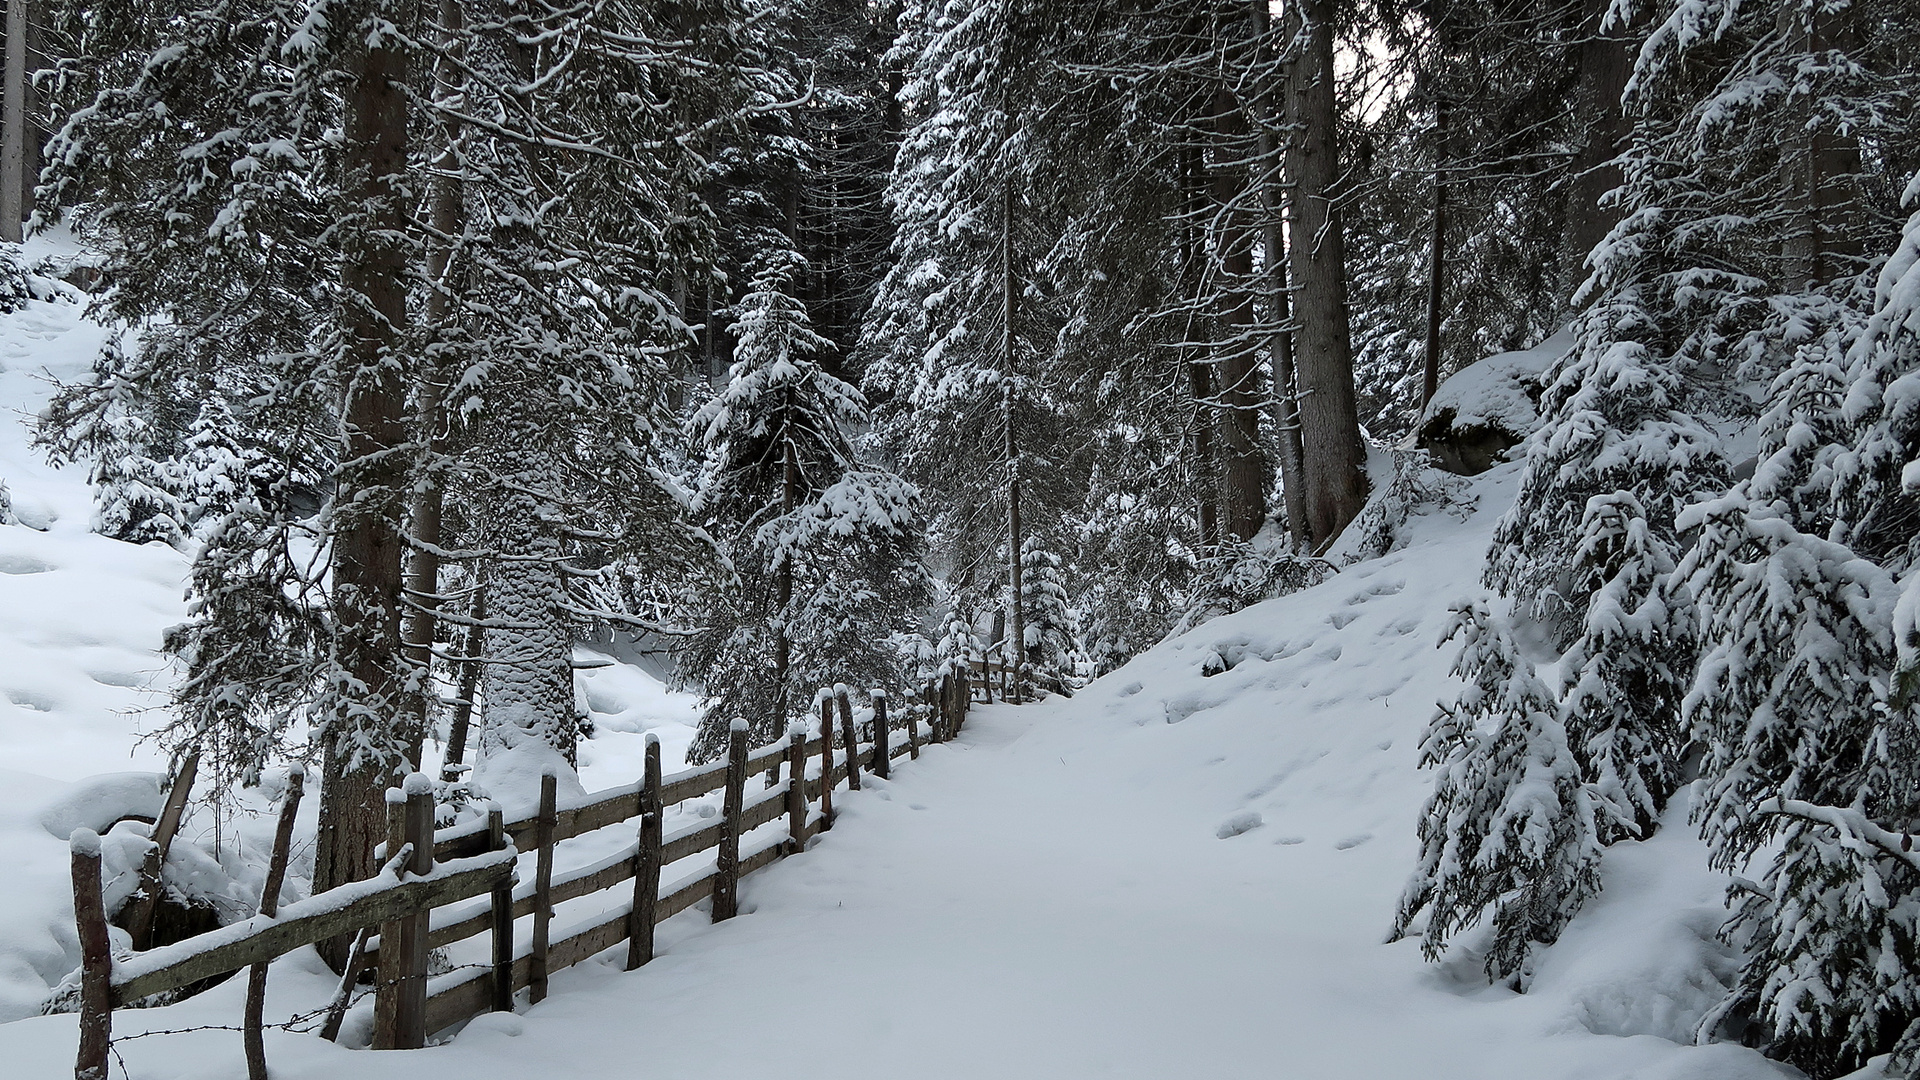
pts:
[502, 916]
[543, 829]
[825, 698]
[96, 959]
[796, 788]
[913, 733]
[726, 870]
[847, 732]
[251, 1037]
[343, 992]
[150, 870]
[646, 876]
[882, 765]
[400, 1006]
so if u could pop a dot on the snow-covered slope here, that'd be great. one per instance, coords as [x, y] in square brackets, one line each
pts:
[1170, 875]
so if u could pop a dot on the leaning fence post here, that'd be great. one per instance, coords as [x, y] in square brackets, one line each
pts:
[502, 916]
[882, 765]
[96, 959]
[251, 1037]
[543, 830]
[646, 876]
[150, 869]
[726, 871]
[851, 737]
[825, 699]
[796, 787]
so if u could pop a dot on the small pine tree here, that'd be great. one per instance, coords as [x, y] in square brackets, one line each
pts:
[212, 474]
[133, 496]
[1052, 632]
[1510, 826]
[1630, 667]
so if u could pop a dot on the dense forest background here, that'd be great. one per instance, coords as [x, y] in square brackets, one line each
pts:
[801, 342]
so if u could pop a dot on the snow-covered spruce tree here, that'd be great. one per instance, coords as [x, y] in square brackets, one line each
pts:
[212, 473]
[826, 549]
[1801, 696]
[133, 495]
[1052, 644]
[1510, 826]
[1628, 670]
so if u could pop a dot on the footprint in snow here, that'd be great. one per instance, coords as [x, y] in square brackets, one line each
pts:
[1243, 822]
[1352, 841]
[1289, 841]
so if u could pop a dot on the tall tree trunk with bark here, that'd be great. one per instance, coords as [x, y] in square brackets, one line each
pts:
[1286, 406]
[1245, 495]
[446, 217]
[1821, 165]
[13, 124]
[1334, 469]
[1016, 651]
[358, 741]
[1605, 63]
[1206, 476]
[1436, 258]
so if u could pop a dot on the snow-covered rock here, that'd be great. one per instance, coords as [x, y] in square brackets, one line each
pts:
[1488, 407]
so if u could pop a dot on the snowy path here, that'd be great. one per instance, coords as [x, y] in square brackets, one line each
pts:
[1170, 876]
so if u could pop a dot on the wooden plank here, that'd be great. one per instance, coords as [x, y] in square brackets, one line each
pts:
[470, 996]
[796, 788]
[389, 968]
[882, 760]
[150, 868]
[315, 919]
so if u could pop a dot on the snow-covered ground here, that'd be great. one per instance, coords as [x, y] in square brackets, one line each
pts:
[1171, 875]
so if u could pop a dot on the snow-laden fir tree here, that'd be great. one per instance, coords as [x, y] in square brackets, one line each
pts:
[1510, 829]
[1052, 632]
[825, 547]
[1799, 697]
[133, 494]
[1628, 670]
[212, 473]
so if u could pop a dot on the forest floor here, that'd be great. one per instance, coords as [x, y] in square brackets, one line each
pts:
[1172, 874]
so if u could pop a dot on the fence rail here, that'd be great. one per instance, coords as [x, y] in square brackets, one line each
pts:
[417, 901]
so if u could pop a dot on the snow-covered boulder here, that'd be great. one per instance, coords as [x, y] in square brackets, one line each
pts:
[1488, 407]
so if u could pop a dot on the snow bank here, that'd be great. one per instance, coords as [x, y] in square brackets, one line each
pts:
[1488, 406]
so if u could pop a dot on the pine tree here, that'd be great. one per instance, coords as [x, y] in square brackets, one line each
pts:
[133, 496]
[1511, 827]
[1052, 642]
[212, 473]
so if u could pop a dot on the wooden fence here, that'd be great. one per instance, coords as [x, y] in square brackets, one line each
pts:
[429, 894]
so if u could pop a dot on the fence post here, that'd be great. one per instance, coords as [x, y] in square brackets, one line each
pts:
[389, 963]
[849, 735]
[543, 831]
[96, 959]
[796, 788]
[502, 916]
[726, 871]
[251, 1037]
[825, 698]
[150, 869]
[646, 876]
[882, 764]
[913, 733]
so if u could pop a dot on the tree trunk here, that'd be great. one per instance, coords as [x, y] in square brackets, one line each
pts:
[1436, 258]
[423, 570]
[1334, 474]
[1821, 166]
[13, 124]
[1206, 476]
[1245, 490]
[783, 578]
[1016, 629]
[1605, 63]
[360, 749]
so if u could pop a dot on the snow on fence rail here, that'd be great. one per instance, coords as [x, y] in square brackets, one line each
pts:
[428, 872]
